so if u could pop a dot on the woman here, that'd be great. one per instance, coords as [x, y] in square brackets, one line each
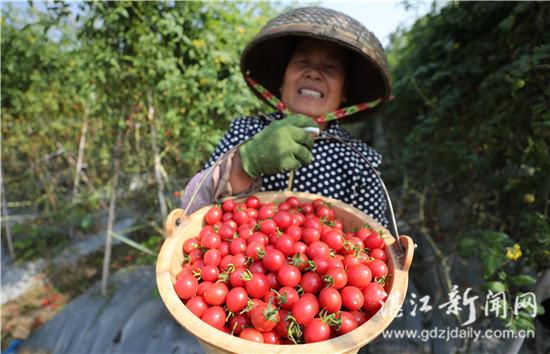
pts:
[308, 63]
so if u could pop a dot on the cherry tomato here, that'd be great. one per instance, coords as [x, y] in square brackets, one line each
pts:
[268, 226]
[239, 322]
[318, 249]
[236, 299]
[334, 239]
[336, 277]
[374, 296]
[252, 334]
[378, 253]
[359, 275]
[283, 219]
[347, 322]
[202, 287]
[316, 331]
[373, 240]
[330, 299]
[212, 257]
[289, 275]
[305, 309]
[352, 298]
[197, 305]
[252, 202]
[186, 286]
[257, 286]
[311, 235]
[311, 282]
[228, 205]
[190, 244]
[273, 260]
[210, 273]
[265, 317]
[285, 244]
[213, 215]
[287, 297]
[271, 337]
[215, 294]
[212, 240]
[214, 316]
[378, 268]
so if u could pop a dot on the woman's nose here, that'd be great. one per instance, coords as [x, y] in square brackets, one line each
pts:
[313, 73]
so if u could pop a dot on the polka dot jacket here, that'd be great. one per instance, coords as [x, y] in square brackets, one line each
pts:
[336, 170]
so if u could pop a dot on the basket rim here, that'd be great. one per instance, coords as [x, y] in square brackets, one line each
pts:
[341, 344]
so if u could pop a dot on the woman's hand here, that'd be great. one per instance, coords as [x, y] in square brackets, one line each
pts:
[282, 146]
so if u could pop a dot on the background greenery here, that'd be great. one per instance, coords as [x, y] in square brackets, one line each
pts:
[468, 129]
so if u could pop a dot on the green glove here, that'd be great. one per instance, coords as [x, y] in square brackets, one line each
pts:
[282, 146]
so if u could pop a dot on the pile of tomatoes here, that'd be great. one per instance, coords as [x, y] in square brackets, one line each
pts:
[282, 272]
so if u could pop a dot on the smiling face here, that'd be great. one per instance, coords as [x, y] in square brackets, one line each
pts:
[314, 78]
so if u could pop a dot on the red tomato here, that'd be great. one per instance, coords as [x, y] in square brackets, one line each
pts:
[347, 322]
[310, 235]
[190, 244]
[311, 282]
[268, 226]
[330, 299]
[213, 215]
[236, 299]
[239, 322]
[210, 273]
[267, 211]
[215, 294]
[252, 334]
[252, 202]
[273, 260]
[374, 241]
[214, 316]
[237, 245]
[287, 297]
[265, 317]
[374, 296]
[235, 278]
[316, 331]
[352, 298]
[295, 232]
[212, 257]
[197, 305]
[202, 287]
[289, 275]
[285, 244]
[271, 337]
[283, 219]
[257, 286]
[359, 275]
[305, 309]
[255, 250]
[336, 277]
[378, 268]
[334, 239]
[293, 201]
[212, 240]
[228, 205]
[186, 286]
[318, 249]
[378, 253]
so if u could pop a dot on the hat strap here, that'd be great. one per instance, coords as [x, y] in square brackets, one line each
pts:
[327, 117]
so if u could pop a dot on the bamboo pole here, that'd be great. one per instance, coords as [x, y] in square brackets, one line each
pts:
[79, 163]
[5, 216]
[112, 209]
[157, 164]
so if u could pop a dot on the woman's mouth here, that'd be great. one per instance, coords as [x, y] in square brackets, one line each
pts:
[308, 92]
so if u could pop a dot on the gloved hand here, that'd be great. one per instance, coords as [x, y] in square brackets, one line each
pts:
[282, 146]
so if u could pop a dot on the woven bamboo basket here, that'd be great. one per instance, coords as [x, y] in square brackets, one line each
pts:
[180, 227]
